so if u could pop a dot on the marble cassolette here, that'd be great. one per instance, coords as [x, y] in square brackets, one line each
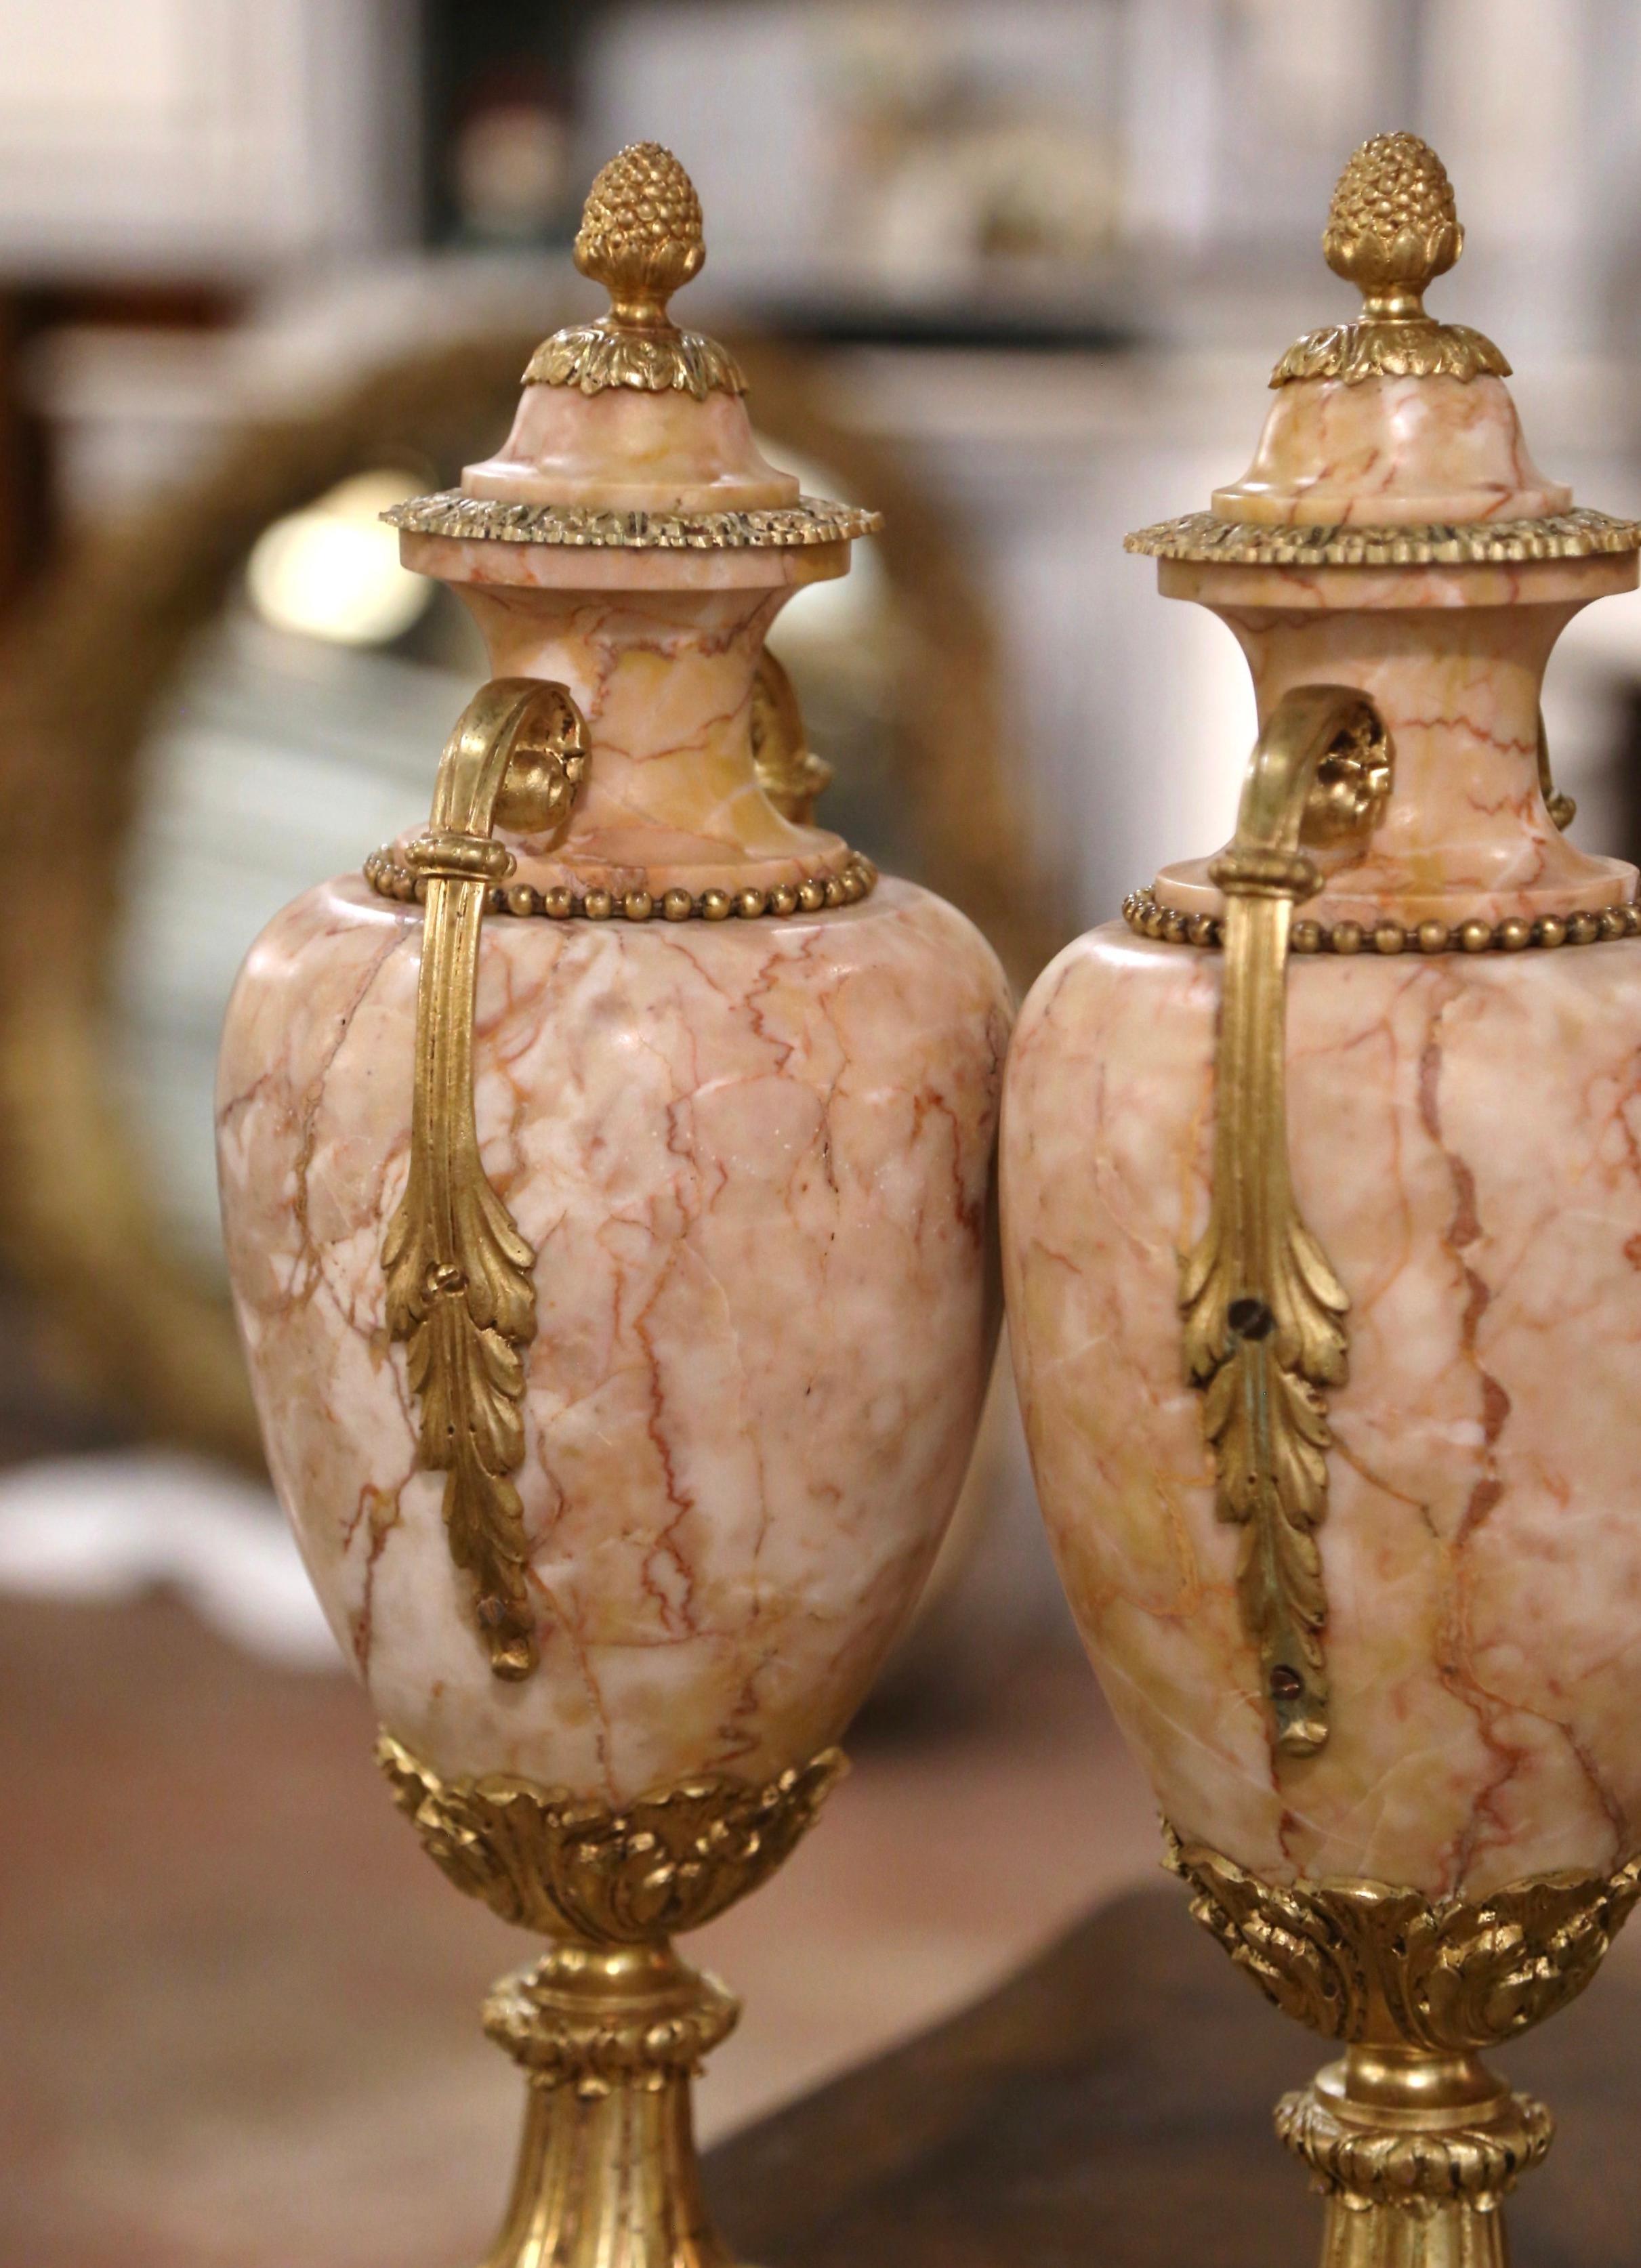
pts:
[1465, 1137]
[753, 1157]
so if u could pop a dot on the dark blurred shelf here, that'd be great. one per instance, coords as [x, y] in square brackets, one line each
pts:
[1112, 2104]
[966, 326]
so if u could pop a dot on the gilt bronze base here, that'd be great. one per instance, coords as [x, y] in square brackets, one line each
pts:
[1415, 2155]
[608, 2038]
[610, 2026]
[1413, 2141]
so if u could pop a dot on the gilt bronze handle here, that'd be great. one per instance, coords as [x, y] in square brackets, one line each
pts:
[1264, 1311]
[460, 1293]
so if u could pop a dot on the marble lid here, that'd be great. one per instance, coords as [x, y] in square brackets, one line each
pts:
[1394, 421]
[630, 421]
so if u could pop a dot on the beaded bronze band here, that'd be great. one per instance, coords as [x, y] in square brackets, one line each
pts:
[1167, 926]
[391, 877]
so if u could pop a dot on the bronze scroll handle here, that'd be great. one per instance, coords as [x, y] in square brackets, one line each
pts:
[1264, 1311]
[460, 1293]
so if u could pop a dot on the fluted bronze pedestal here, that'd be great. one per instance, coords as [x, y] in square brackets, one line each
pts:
[610, 2038]
[610, 2026]
[1415, 2155]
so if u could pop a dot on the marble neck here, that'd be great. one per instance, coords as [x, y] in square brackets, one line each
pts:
[665, 681]
[1465, 831]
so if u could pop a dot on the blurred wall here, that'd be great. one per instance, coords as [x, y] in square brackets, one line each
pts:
[202, 137]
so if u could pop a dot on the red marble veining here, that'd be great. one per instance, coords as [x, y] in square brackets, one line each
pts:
[1391, 451]
[663, 672]
[1452, 659]
[665, 681]
[625, 450]
[1464, 1130]
[754, 1160]
[1465, 1138]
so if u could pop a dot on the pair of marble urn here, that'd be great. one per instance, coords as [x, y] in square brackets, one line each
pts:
[606, 1177]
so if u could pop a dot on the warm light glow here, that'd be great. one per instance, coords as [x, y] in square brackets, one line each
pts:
[332, 570]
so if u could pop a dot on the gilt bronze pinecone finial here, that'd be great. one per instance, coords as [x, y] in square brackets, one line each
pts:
[640, 233]
[641, 238]
[1393, 227]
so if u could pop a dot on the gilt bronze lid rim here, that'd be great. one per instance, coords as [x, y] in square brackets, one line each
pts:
[1205, 539]
[784, 528]
[1606, 926]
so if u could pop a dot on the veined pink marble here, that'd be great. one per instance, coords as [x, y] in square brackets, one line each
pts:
[665, 681]
[1465, 1138]
[1388, 453]
[486, 563]
[625, 450]
[659, 649]
[1453, 658]
[754, 1158]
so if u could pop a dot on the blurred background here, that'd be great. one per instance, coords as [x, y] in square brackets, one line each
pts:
[1015, 275]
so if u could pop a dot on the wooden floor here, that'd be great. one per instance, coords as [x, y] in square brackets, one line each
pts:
[238, 2006]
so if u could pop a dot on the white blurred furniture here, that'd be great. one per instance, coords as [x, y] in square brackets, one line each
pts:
[202, 137]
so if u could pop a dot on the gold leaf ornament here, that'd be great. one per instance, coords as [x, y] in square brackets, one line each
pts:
[1413, 2140]
[550, 1862]
[1363, 1961]
[1393, 226]
[461, 1289]
[610, 2024]
[790, 772]
[640, 233]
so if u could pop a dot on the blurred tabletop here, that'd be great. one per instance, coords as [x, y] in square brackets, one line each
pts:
[1112, 2104]
[238, 2009]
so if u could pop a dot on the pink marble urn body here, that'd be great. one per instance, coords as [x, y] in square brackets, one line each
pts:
[747, 1132]
[1463, 1060]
